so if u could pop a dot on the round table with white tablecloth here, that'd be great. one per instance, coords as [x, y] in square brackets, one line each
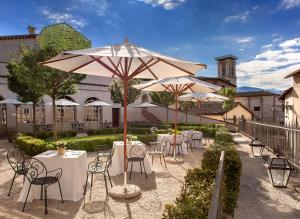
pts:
[197, 137]
[117, 166]
[160, 137]
[74, 169]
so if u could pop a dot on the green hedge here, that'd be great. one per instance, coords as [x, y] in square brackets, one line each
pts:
[111, 131]
[195, 196]
[33, 146]
[147, 125]
[49, 134]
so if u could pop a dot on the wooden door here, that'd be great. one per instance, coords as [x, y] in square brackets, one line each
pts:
[115, 117]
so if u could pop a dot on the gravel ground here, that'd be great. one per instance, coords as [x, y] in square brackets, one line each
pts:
[161, 187]
[257, 197]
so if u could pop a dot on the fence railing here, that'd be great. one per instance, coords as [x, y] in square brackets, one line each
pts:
[215, 210]
[279, 139]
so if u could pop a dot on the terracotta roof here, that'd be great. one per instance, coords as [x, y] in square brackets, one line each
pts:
[293, 73]
[255, 94]
[286, 92]
[204, 78]
[226, 57]
[214, 108]
[15, 37]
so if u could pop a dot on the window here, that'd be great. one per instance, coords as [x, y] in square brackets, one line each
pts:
[257, 108]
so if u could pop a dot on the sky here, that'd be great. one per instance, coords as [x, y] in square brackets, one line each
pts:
[263, 34]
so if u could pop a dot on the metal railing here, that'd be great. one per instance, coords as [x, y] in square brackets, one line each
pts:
[215, 210]
[279, 139]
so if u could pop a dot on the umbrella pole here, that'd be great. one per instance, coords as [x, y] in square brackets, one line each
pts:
[175, 126]
[125, 83]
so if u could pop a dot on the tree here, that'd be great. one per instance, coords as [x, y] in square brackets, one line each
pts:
[52, 40]
[163, 98]
[229, 93]
[24, 78]
[117, 92]
[185, 106]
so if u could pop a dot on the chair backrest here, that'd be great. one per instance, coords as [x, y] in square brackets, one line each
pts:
[15, 158]
[179, 139]
[34, 169]
[138, 150]
[103, 160]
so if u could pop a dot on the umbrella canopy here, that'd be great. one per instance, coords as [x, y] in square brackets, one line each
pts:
[97, 103]
[126, 62]
[200, 97]
[63, 102]
[12, 100]
[145, 105]
[178, 86]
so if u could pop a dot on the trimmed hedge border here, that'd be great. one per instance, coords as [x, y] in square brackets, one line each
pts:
[194, 198]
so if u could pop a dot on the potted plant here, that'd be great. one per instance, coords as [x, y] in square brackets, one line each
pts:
[61, 147]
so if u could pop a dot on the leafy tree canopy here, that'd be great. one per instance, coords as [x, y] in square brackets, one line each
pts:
[162, 98]
[117, 91]
[229, 93]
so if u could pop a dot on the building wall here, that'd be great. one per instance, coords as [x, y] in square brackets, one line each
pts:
[239, 113]
[266, 105]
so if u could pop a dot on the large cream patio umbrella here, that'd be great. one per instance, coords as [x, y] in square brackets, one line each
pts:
[125, 61]
[178, 86]
[202, 97]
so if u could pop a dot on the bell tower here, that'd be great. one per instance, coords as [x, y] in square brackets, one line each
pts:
[227, 67]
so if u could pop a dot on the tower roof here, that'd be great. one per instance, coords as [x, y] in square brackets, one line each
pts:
[226, 57]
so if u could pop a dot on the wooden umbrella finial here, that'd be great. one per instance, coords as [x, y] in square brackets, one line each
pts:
[126, 41]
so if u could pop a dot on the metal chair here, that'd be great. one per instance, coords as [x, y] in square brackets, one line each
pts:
[137, 153]
[197, 138]
[15, 158]
[100, 166]
[158, 148]
[179, 141]
[188, 139]
[37, 174]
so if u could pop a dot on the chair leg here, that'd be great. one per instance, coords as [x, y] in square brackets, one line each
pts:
[86, 182]
[23, 179]
[61, 196]
[144, 169]
[12, 182]
[26, 197]
[164, 160]
[46, 201]
[160, 159]
[130, 170]
[42, 191]
[105, 183]
[141, 167]
[152, 158]
[109, 178]
[92, 180]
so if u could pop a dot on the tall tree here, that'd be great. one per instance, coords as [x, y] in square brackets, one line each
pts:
[24, 78]
[185, 106]
[163, 98]
[230, 94]
[117, 92]
[52, 40]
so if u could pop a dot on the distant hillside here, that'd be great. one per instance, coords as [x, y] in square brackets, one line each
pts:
[245, 89]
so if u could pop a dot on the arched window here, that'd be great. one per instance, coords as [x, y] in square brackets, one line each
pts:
[93, 114]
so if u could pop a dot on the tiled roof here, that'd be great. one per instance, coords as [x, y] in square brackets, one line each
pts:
[287, 91]
[255, 94]
[293, 73]
[204, 78]
[15, 37]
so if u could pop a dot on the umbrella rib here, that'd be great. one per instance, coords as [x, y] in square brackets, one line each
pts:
[148, 68]
[113, 64]
[139, 69]
[175, 66]
[58, 60]
[106, 66]
[129, 65]
[81, 66]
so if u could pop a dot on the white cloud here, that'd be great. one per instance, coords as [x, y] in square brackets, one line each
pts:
[289, 4]
[99, 6]
[244, 39]
[268, 46]
[64, 17]
[268, 68]
[243, 17]
[166, 4]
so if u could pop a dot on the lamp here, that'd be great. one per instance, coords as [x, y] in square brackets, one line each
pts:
[279, 171]
[257, 147]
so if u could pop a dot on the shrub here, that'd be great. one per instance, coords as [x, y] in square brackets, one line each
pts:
[49, 134]
[223, 137]
[111, 131]
[33, 146]
[207, 131]
[147, 125]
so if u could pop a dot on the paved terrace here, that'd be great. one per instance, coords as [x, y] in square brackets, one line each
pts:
[257, 197]
[161, 187]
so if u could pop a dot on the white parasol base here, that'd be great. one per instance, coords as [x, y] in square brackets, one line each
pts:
[120, 192]
[174, 160]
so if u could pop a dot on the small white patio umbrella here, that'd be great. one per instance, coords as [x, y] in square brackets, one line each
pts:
[202, 97]
[97, 103]
[125, 61]
[178, 86]
[145, 105]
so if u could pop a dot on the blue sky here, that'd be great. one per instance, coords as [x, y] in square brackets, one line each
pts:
[263, 34]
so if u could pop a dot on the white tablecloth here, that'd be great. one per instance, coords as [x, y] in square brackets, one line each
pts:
[74, 170]
[160, 137]
[117, 166]
[196, 136]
